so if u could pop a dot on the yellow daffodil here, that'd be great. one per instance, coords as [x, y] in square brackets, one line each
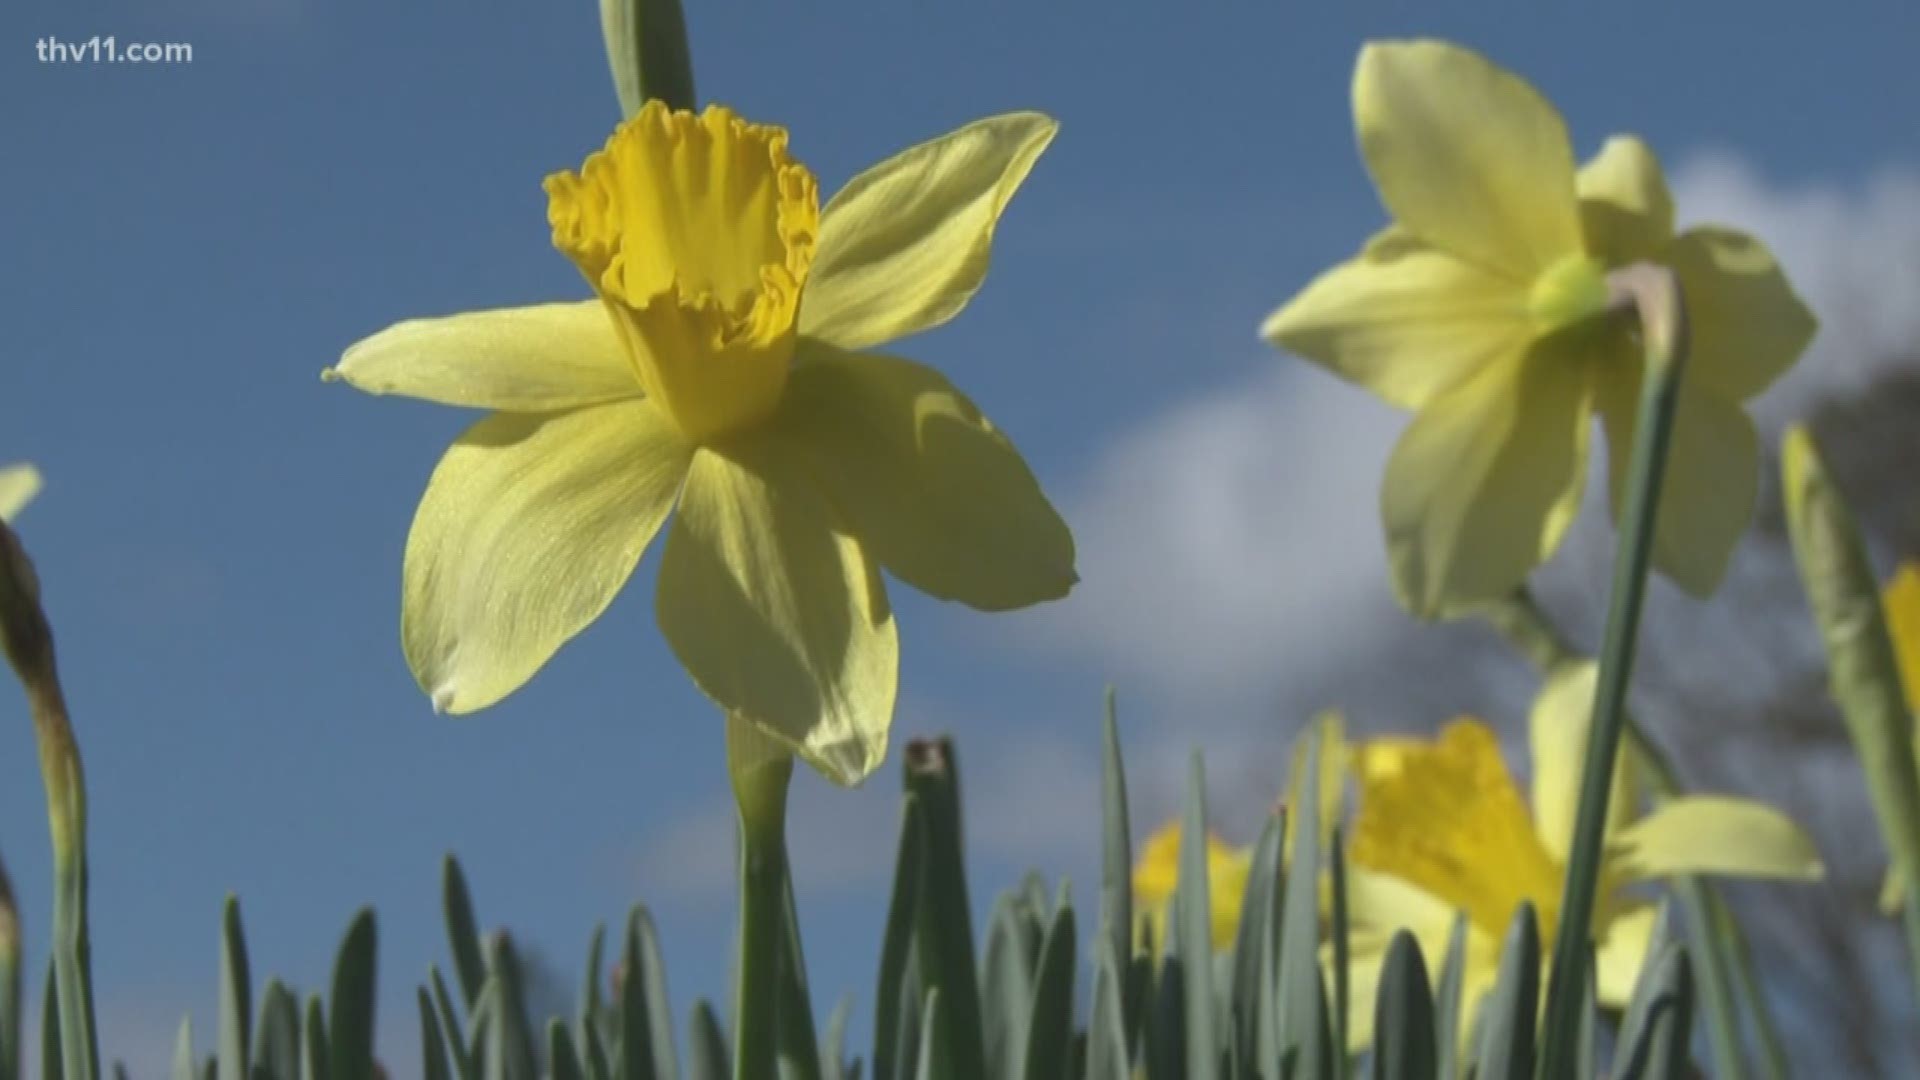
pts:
[1442, 828]
[1157, 873]
[721, 372]
[18, 485]
[1484, 308]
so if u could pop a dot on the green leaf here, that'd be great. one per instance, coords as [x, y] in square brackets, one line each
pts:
[936, 1046]
[1194, 929]
[236, 996]
[1342, 952]
[945, 926]
[562, 1060]
[590, 1003]
[1253, 968]
[463, 934]
[1508, 1018]
[1403, 1028]
[1299, 984]
[433, 1046]
[350, 1050]
[706, 1045]
[464, 1066]
[1014, 932]
[897, 942]
[1107, 1039]
[1447, 1004]
[1656, 1048]
[799, 1050]
[510, 1049]
[183, 1051]
[51, 1067]
[644, 961]
[1116, 852]
[276, 1046]
[1050, 1023]
[647, 52]
[833, 1051]
[1166, 1032]
[313, 1042]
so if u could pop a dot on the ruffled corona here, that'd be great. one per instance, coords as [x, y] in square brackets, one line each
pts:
[697, 231]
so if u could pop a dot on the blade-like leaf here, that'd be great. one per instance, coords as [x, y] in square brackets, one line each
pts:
[1116, 848]
[433, 1045]
[896, 942]
[1403, 1029]
[1508, 1018]
[350, 1010]
[276, 1044]
[945, 926]
[236, 995]
[1107, 1041]
[706, 1045]
[1050, 1023]
[563, 1062]
[1448, 1008]
[1194, 929]
[463, 932]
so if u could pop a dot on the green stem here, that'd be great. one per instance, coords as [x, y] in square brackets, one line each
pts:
[1654, 292]
[760, 770]
[29, 647]
[1728, 986]
[9, 980]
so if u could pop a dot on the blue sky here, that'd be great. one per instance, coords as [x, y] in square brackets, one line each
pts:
[188, 246]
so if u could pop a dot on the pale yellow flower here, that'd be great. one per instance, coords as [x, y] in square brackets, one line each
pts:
[1157, 874]
[18, 485]
[719, 373]
[1484, 308]
[1442, 828]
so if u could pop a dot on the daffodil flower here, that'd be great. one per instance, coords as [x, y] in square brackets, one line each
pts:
[1442, 828]
[18, 485]
[721, 372]
[1485, 308]
[1157, 874]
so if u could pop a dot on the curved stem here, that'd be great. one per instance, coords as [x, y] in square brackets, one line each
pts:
[1654, 293]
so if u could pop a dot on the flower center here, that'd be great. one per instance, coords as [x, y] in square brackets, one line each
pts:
[1570, 291]
[1447, 817]
[697, 231]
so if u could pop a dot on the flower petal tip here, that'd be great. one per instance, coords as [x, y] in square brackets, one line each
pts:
[442, 698]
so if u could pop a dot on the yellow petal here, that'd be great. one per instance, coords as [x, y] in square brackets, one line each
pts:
[1484, 482]
[929, 486]
[18, 485]
[905, 244]
[1712, 481]
[530, 359]
[1467, 156]
[1625, 208]
[530, 525]
[1747, 325]
[1404, 320]
[1557, 730]
[1621, 952]
[1902, 603]
[1708, 834]
[779, 615]
[1452, 823]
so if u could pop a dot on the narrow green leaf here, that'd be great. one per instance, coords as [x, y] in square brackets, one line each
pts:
[1315, 1052]
[563, 1062]
[236, 995]
[706, 1045]
[1116, 847]
[908, 1018]
[936, 1045]
[1509, 1016]
[658, 1005]
[896, 941]
[1107, 1040]
[1658, 1049]
[1050, 1022]
[511, 1042]
[1342, 952]
[1447, 1004]
[350, 1010]
[463, 932]
[1586, 1046]
[433, 1045]
[1250, 944]
[458, 1048]
[590, 1003]
[1166, 1031]
[799, 1049]
[1403, 1028]
[1014, 933]
[313, 1042]
[1195, 930]
[183, 1051]
[51, 1067]
[833, 1050]
[945, 926]
[1267, 1052]
[1299, 983]
[10, 981]
[276, 1045]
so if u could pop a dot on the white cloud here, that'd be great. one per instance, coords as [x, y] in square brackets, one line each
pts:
[1231, 548]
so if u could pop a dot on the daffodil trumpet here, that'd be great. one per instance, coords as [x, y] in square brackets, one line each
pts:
[1654, 294]
[28, 643]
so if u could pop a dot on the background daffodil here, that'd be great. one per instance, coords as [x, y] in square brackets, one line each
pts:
[1901, 602]
[1484, 308]
[1157, 873]
[720, 372]
[1442, 828]
[18, 485]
